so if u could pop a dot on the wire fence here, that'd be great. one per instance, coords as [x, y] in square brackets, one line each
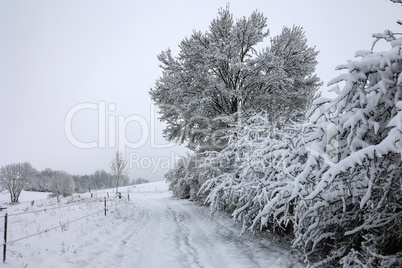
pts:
[49, 209]
[61, 225]
[50, 229]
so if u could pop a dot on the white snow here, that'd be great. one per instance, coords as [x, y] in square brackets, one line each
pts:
[153, 229]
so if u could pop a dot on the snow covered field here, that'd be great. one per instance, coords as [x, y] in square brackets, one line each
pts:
[151, 230]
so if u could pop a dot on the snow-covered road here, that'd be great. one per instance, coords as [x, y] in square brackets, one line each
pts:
[152, 230]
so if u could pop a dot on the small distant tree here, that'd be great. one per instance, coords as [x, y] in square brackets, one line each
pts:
[14, 177]
[118, 169]
[140, 181]
[62, 184]
[68, 186]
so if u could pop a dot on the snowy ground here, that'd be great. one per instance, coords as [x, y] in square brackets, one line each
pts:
[151, 230]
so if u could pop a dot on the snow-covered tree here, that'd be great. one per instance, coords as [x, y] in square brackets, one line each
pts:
[219, 78]
[14, 177]
[118, 169]
[62, 183]
[351, 212]
[40, 181]
[101, 179]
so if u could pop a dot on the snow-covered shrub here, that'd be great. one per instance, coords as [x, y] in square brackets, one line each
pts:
[279, 190]
[62, 184]
[176, 177]
[184, 178]
[352, 211]
[264, 161]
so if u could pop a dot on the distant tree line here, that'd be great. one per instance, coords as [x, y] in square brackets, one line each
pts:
[41, 181]
[22, 176]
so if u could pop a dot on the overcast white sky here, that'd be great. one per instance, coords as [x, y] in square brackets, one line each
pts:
[55, 55]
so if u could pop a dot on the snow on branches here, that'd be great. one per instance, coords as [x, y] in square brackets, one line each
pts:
[354, 211]
[264, 162]
[333, 183]
[220, 75]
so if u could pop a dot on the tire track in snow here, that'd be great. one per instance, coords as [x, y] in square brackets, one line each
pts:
[217, 244]
[186, 247]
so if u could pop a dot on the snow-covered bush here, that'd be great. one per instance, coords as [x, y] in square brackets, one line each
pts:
[278, 192]
[352, 211]
[185, 178]
[176, 177]
[264, 160]
[62, 184]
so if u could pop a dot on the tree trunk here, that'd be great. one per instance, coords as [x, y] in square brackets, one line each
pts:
[14, 197]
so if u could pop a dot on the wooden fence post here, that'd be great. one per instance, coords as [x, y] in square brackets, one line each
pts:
[5, 238]
[105, 205]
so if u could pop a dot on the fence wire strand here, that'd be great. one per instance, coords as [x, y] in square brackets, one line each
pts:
[50, 229]
[112, 203]
[54, 208]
